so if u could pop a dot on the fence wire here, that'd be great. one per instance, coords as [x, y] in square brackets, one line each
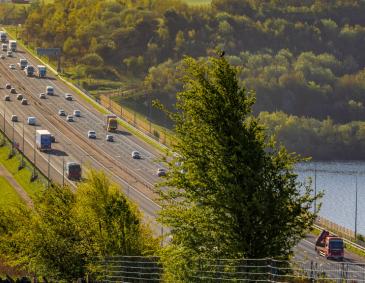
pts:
[149, 269]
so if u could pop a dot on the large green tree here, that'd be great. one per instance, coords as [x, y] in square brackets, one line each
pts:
[233, 192]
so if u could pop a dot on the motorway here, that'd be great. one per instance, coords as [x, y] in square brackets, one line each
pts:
[137, 177]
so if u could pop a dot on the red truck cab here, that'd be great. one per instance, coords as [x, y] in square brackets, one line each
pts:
[330, 246]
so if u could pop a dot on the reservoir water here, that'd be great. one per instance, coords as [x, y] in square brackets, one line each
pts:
[338, 181]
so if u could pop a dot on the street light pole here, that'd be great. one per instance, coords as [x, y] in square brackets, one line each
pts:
[34, 152]
[49, 168]
[315, 187]
[355, 207]
[12, 145]
[23, 147]
[63, 171]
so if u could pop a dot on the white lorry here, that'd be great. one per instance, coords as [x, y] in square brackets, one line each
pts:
[12, 45]
[23, 63]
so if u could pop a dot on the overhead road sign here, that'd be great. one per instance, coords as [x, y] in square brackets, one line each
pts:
[50, 52]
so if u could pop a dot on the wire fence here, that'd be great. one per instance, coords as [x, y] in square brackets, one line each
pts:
[149, 269]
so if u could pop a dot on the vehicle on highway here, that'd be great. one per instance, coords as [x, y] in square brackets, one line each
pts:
[2, 56]
[12, 90]
[136, 155]
[73, 171]
[12, 66]
[68, 96]
[109, 138]
[14, 118]
[70, 118]
[43, 140]
[41, 71]
[12, 45]
[9, 53]
[111, 122]
[8, 86]
[61, 112]
[29, 70]
[161, 172]
[53, 139]
[7, 97]
[31, 121]
[42, 95]
[24, 101]
[77, 113]
[4, 47]
[23, 63]
[49, 90]
[19, 96]
[330, 246]
[91, 134]
[3, 36]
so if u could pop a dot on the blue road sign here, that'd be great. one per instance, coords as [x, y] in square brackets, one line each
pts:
[50, 52]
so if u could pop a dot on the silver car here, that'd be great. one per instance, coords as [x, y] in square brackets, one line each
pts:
[136, 155]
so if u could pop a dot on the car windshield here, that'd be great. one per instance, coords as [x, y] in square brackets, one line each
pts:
[336, 244]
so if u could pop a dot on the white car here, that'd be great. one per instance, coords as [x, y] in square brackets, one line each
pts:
[9, 53]
[109, 138]
[2, 56]
[77, 113]
[70, 118]
[31, 121]
[68, 96]
[12, 66]
[42, 95]
[91, 134]
[136, 155]
[61, 112]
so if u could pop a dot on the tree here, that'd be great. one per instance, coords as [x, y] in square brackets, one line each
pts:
[63, 236]
[233, 192]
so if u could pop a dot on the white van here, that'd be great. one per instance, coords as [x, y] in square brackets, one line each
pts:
[31, 121]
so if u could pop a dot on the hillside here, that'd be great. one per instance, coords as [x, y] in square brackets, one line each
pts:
[303, 58]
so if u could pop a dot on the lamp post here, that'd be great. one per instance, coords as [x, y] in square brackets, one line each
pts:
[49, 169]
[315, 188]
[34, 153]
[63, 171]
[355, 206]
[13, 141]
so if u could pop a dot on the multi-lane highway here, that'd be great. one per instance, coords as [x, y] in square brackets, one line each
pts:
[136, 176]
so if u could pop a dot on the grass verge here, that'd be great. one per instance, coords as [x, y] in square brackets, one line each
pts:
[22, 176]
[8, 195]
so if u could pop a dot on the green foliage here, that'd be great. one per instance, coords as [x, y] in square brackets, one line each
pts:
[66, 232]
[234, 194]
[300, 57]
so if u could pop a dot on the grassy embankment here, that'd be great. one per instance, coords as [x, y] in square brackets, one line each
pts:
[22, 176]
[8, 195]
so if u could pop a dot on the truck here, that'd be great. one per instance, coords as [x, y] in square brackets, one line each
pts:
[3, 36]
[111, 123]
[23, 63]
[43, 140]
[41, 71]
[29, 70]
[330, 246]
[4, 47]
[73, 171]
[12, 45]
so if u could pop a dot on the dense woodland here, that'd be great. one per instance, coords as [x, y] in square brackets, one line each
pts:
[302, 57]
